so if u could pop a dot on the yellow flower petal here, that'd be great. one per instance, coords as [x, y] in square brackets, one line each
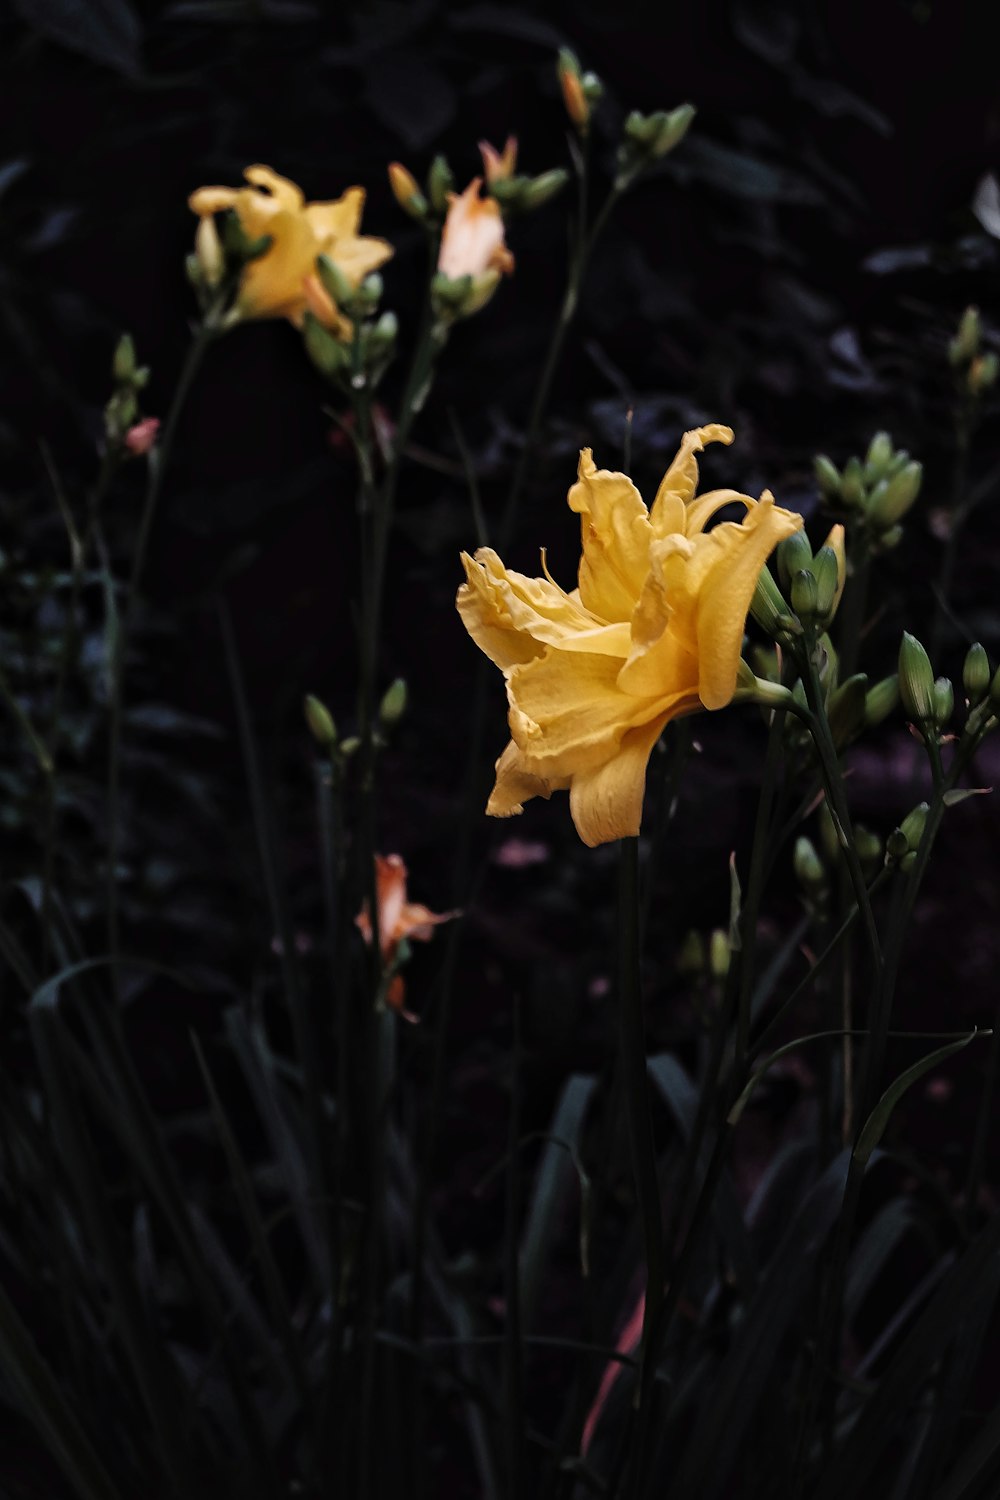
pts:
[358, 257]
[606, 803]
[682, 476]
[212, 200]
[568, 714]
[515, 786]
[726, 575]
[272, 285]
[699, 512]
[285, 193]
[615, 533]
[338, 219]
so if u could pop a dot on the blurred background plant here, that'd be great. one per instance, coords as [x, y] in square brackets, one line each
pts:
[807, 266]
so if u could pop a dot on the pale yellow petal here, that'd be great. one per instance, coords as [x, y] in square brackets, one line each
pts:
[337, 219]
[682, 477]
[212, 200]
[486, 616]
[615, 535]
[272, 286]
[515, 786]
[358, 256]
[606, 802]
[528, 608]
[285, 193]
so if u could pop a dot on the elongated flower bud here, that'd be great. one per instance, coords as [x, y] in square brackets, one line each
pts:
[878, 457]
[406, 191]
[976, 674]
[809, 869]
[827, 475]
[916, 680]
[320, 721]
[393, 705]
[893, 497]
[209, 253]
[440, 182]
[829, 570]
[805, 595]
[794, 553]
[574, 97]
[943, 698]
[965, 345]
[880, 701]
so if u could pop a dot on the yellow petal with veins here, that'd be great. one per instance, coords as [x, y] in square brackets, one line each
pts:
[615, 534]
[681, 478]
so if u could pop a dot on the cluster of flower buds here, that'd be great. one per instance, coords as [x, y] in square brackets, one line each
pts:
[324, 731]
[515, 192]
[705, 960]
[648, 138]
[580, 91]
[815, 861]
[361, 361]
[218, 260]
[876, 491]
[812, 583]
[123, 425]
[902, 844]
[976, 371]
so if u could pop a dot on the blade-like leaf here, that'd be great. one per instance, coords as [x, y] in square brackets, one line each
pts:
[555, 1179]
[874, 1126]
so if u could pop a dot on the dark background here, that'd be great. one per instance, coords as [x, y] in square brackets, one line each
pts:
[795, 269]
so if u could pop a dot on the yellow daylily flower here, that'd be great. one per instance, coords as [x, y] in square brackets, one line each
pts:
[282, 282]
[653, 631]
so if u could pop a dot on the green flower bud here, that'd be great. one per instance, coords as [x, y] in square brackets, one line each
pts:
[943, 695]
[692, 956]
[825, 566]
[672, 129]
[593, 88]
[320, 721]
[641, 129]
[983, 373]
[393, 704]
[440, 182]
[718, 954]
[852, 486]
[890, 538]
[869, 850]
[371, 290]
[123, 364]
[328, 354]
[896, 846]
[878, 457]
[768, 606]
[809, 869]
[382, 338]
[846, 709]
[893, 497]
[881, 700]
[540, 189]
[805, 595]
[965, 345]
[912, 826]
[916, 680]
[827, 476]
[976, 674]
[794, 554]
[899, 460]
[335, 282]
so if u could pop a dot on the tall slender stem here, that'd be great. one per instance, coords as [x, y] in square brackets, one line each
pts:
[640, 1123]
[159, 460]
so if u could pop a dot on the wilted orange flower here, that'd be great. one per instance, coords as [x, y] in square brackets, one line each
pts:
[398, 918]
[472, 243]
[653, 631]
[274, 285]
[499, 165]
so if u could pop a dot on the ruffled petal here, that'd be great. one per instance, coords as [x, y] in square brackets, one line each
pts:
[606, 803]
[515, 786]
[287, 194]
[729, 563]
[700, 511]
[568, 714]
[272, 286]
[360, 255]
[615, 534]
[681, 479]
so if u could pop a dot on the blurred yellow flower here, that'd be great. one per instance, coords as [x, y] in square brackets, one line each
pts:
[653, 631]
[472, 243]
[282, 282]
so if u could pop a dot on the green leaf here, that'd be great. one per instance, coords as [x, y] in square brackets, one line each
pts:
[558, 1170]
[874, 1126]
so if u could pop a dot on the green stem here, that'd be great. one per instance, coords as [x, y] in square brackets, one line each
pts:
[640, 1126]
[853, 609]
[158, 462]
[958, 515]
[750, 911]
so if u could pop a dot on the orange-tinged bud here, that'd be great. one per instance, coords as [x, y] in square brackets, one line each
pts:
[499, 165]
[574, 98]
[406, 191]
